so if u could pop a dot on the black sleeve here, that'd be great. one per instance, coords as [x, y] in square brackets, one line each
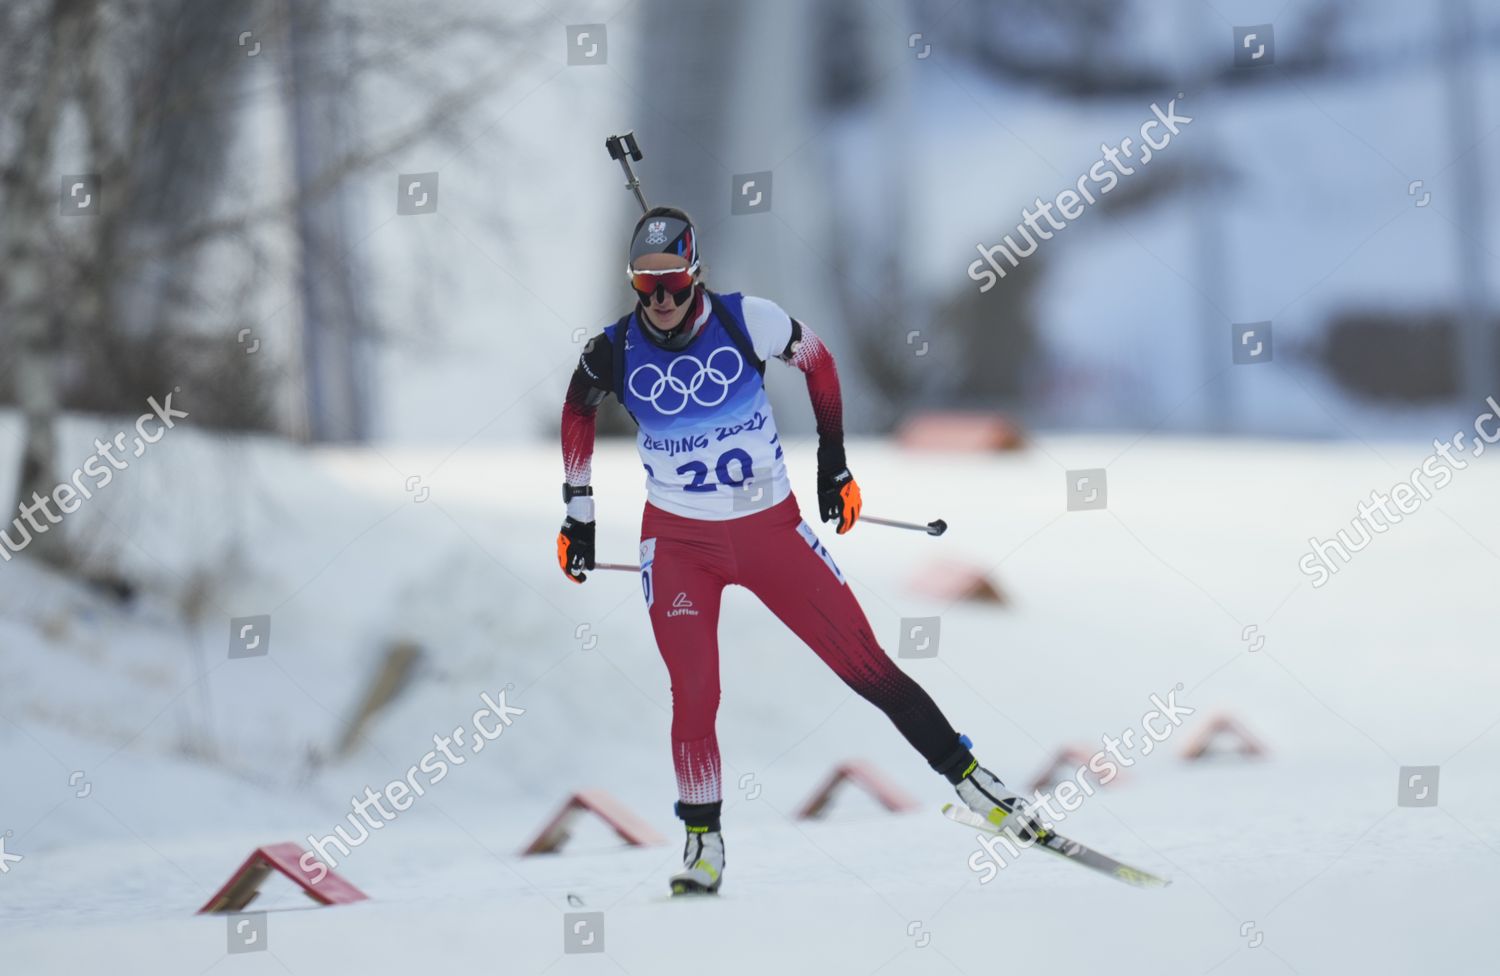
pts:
[596, 367]
[791, 346]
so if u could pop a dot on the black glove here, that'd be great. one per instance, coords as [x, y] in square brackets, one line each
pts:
[838, 498]
[575, 548]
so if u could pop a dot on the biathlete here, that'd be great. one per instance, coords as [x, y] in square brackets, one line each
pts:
[688, 363]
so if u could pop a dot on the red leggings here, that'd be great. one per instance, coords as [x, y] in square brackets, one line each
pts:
[685, 565]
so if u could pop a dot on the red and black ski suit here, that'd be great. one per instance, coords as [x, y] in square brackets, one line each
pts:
[696, 539]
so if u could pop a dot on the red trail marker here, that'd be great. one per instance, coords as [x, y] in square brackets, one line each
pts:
[242, 887]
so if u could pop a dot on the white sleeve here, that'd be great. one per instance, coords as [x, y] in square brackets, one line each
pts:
[770, 327]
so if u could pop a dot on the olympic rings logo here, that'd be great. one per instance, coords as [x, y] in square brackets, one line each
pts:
[676, 383]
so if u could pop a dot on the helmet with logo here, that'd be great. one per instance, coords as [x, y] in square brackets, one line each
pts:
[665, 230]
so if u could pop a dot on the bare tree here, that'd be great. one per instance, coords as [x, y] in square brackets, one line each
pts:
[144, 292]
[39, 85]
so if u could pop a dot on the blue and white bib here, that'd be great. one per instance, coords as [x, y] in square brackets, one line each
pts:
[707, 438]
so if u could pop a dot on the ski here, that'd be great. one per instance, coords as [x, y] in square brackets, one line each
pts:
[1065, 848]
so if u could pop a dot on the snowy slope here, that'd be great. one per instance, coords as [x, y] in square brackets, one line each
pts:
[1391, 663]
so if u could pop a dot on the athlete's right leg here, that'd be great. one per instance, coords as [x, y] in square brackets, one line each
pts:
[682, 574]
[682, 563]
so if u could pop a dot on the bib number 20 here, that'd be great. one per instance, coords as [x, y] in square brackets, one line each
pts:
[724, 470]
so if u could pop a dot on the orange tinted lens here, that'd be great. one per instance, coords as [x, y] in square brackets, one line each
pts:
[673, 281]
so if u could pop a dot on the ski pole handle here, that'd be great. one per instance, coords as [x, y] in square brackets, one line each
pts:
[935, 527]
[623, 567]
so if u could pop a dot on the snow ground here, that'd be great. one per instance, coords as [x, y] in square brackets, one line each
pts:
[1300, 863]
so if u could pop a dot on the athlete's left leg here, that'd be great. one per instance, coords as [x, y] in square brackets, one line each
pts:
[779, 559]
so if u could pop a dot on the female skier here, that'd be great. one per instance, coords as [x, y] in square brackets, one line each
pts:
[687, 363]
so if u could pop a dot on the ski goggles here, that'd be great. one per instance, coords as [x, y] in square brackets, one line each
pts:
[677, 282]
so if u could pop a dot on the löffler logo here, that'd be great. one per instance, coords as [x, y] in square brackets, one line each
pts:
[682, 607]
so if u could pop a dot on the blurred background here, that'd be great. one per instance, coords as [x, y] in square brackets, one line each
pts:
[362, 246]
[248, 158]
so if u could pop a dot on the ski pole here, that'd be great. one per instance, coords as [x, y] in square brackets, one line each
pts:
[935, 527]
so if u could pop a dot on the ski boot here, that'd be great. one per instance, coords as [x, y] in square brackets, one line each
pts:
[703, 852]
[982, 792]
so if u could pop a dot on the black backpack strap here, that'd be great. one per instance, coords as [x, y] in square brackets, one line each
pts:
[622, 332]
[622, 328]
[736, 332]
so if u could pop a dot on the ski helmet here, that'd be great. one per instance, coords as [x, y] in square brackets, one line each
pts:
[665, 230]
